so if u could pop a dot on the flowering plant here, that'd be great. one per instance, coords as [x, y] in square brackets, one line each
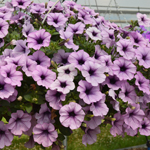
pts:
[64, 67]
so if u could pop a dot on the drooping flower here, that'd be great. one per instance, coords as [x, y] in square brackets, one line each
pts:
[124, 69]
[54, 98]
[40, 58]
[78, 58]
[89, 93]
[45, 134]
[142, 83]
[19, 122]
[11, 76]
[143, 19]
[90, 136]
[71, 115]
[125, 49]
[38, 39]
[56, 19]
[77, 28]
[44, 115]
[94, 33]
[134, 116]
[93, 73]
[3, 28]
[67, 72]
[43, 76]
[62, 85]
[143, 55]
[5, 136]
[145, 127]
[27, 29]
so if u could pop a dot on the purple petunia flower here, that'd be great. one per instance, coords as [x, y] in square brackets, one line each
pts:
[37, 8]
[38, 39]
[44, 115]
[40, 58]
[61, 57]
[45, 134]
[1, 42]
[93, 73]
[143, 20]
[5, 136]
[11, 76]
[78, 58]
[124, 69]
[43, 76]
[142, 83]
[89, 93]
[145, 127]
[21, 3]
[125, 49]
[143, 55]
[99, 108]
[117, 125]
[56, 19]
[19, 122]
[62, 85]
[54, 98]
[94, 33]
[71, 115]
[127, 93]
[77, 28]
[13, 97]
[3, 28]
[90, 136]
[134, 116]
[129, 130]
[27, 29]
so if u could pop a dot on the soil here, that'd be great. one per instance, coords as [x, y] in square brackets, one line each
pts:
[136, 148]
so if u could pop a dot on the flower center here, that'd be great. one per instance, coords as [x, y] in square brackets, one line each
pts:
[124, 48]
[47, 113]
[39, 40]
[81, 62]
[1, 87]
[131, 114]
[142, 19]
[94, 33]
[42, 77]
[58, 94]
[112, 81]
[2, 132]
[144, 57]
[126, 93]
[18, 120]
[88, 91]
[45, 132]
[67, 71]
[91, 72]
[55, 20]
[38, 61]
[123, 69]
[20, 3]
[63, 84]
[143, 126]
[111, 36]
[8, 74]
[64, 60]
[72, 114]
[136, 40]
[1, 40]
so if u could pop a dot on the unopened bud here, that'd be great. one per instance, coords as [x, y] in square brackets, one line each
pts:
[46, 5]
[54, 64]
[13, 42]
[67, 40]
[106, 92]
[107, 75]
[113, 119]
[19, 98]
[132, 108]
[34, 99]
[90, 115]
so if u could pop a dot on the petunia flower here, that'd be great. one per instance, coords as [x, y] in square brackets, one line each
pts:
[19, 122]
[45, 134]
[5, 136]
[21, 3]
[1, 42]
[3, 28]
[129, 130]
[71, 115]
[37, 8]
[123, 69]
[143, 20]
[38, 39]
[43, 76]
[89, 93]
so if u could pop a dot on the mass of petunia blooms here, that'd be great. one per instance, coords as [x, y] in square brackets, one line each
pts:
[73, 70]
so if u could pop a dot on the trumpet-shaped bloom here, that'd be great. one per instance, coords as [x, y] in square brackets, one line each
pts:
[3, 28]
[143, 19]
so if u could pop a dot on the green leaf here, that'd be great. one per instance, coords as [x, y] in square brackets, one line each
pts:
[65, 131]
[28, 97]
[4, 103]
[28, 108]
[61, 137]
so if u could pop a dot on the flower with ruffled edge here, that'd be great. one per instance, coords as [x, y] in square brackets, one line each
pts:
[21, 3]
[143, 19]
[3, 28]
[71, 115]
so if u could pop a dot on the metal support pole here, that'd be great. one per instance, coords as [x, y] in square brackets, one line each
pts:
[65, 143]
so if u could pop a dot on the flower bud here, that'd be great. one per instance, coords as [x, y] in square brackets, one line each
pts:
[19, 98]
[113, 119]
[54, 64]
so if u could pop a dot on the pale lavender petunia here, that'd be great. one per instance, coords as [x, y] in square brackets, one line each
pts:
[45, 134]
[125, 49]
[77, 28]
[78, 58]
[38, 8]
[44, 115]
[54, 98]
[93, 73]
[134, 116]
[142, 83]
[124, 69]
[40, 58]
[19, 122]
[143, 19]
[143, 55]
[129, 130]
[27, 29]
[5, 136]
[90, 136]
[56, 19]
[11, 76]
[127, 93]
[43, 76]
[21, 3]
[13, 97]
[117, 125]
[1, 42]
[99, 108]
[89, 93]
[71, 115]
[62, 85]
[3, 28]
[38, 39]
